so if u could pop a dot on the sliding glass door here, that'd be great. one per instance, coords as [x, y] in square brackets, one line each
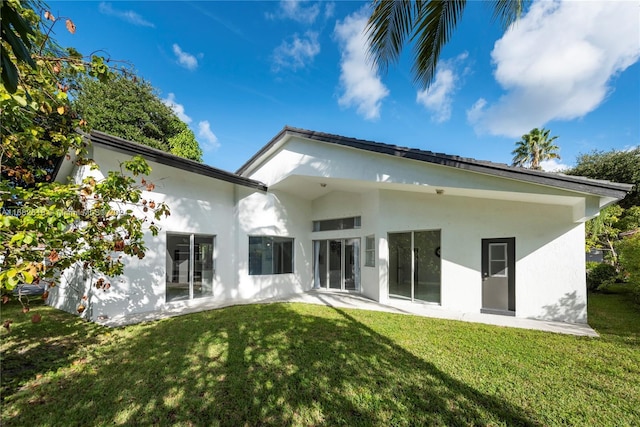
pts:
[414, 265]
[336, 264]
[189, 264]
[400, 265]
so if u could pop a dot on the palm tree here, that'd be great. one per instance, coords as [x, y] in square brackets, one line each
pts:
[535, 147]
[428, 23]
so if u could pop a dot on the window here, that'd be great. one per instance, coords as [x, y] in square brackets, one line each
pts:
[370, 251]
[270, 255]
[190, 268]
[337, 224]
[498, 259]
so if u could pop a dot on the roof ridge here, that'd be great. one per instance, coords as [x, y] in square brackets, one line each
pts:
[397, 147]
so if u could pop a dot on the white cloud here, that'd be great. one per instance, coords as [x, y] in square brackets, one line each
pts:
[185, 59]
[329, 10]
[170, 101]
[360, 82]
[295, 10]
[208, 140]
[553, 165]
[205, 133]
[438, 98]
[297, 53]
[557, 63]
[477, 109]
[126, 15]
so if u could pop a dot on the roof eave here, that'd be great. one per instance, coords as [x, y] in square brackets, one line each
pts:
[158, 156]
[247, 167]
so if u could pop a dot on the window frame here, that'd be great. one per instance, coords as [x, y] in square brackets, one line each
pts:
[370, 252]
[275, 258]
[498, 265]
[202, 264]
[344, 223]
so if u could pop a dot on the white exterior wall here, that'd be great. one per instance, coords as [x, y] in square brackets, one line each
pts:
[73, 283]
[198, 204]
[272, 214]
[396, 194]
[372, 225]
[550, 281]
[389, 194]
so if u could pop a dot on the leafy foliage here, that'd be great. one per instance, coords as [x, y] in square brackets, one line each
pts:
[617, 166]
[617, 228]
[605, 230]
[602, 231]
[630, 261]
[16, 34]
[46, 226]
[130, 108]
[428, 24]
[183, 142]
[631, 219]
[600, 276]
[535, 147]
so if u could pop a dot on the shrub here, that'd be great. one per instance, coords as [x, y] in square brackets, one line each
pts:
[629, 260]
[591, 265]
[601, 276]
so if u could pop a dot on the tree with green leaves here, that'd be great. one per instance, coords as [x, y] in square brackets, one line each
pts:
[129, 107]
[616, 166]
[427, 24]
[630, 260]
[602, 232]
[46, 226]
[534, 148]
[605, 230]
[617, 228]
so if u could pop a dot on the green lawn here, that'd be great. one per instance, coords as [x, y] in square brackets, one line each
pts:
[296, 364]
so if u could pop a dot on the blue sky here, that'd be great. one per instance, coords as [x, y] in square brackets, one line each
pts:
[238, 71]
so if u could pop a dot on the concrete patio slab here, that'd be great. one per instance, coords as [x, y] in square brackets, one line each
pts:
[357, 301]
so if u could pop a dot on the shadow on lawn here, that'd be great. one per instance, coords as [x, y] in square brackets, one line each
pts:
[262, 365]
[31, 350]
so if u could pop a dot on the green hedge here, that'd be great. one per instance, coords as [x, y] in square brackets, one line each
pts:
[601, 276]
[629, 259]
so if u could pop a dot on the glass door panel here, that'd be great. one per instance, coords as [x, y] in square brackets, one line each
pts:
[320, 263]
[426, 252]
[203, 267]
[189, 266]
[352, 264]
[335, 264]
[178, 267]
[400, 264]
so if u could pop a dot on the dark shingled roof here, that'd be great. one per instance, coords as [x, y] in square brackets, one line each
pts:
[558, 180]
[159, 156]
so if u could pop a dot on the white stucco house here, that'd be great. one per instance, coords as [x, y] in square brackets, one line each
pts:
[315, 210]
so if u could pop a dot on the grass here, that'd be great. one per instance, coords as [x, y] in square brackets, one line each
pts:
[297, 364]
